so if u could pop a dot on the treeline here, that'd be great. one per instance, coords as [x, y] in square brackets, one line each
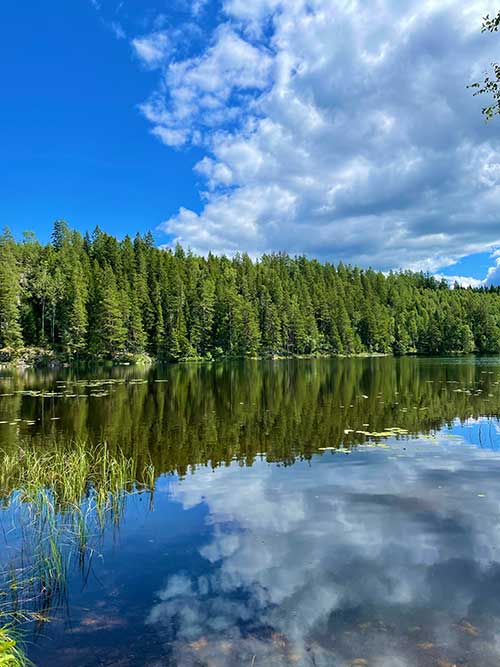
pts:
[95, 296]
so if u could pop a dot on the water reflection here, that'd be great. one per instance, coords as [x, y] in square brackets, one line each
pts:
[385, 557]
[360, 555]
[181, 416]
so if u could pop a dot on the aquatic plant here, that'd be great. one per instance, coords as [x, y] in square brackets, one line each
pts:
[60, 499]
[62, 479]
[11, 655]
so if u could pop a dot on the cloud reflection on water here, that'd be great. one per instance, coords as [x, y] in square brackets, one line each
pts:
[389, 556]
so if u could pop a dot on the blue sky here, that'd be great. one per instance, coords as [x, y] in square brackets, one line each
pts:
[74, 143]
[336, 128]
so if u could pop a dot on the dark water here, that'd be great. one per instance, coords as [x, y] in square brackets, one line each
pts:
[279, 534]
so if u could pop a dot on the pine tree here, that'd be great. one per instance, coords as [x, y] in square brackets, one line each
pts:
[41, 288]
[246, 341]
[157, 338]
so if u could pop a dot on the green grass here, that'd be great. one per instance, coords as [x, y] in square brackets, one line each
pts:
[71, 474]
[61, 497]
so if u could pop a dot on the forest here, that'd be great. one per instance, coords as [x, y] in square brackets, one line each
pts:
[93, 297]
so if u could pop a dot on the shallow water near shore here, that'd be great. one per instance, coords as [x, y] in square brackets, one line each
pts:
[304, 512]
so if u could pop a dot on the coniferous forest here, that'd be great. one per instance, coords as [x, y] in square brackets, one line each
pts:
[95, 297]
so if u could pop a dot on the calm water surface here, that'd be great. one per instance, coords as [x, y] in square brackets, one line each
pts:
[281, 530]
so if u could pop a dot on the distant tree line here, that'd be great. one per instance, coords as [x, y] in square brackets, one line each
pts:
[95, 296]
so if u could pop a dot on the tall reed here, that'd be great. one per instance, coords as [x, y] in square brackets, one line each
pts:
[60, 498]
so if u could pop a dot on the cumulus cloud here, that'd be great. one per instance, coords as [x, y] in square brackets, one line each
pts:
[493, 276]
[201, 94]
[197, 6]
[340, 129]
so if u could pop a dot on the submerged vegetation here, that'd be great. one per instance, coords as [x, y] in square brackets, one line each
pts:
[11, 655]
[93, 296]
[60, 498]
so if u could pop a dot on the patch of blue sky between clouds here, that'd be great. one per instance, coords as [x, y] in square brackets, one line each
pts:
[476, 270]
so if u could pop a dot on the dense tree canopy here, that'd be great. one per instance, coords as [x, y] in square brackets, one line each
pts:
[98, 297]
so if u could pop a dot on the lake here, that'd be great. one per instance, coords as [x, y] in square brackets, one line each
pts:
[332, 512]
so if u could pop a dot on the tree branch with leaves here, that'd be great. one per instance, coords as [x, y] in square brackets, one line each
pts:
[491, 83]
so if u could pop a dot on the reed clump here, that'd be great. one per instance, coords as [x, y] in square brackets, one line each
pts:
[60, 497]
[71, 474]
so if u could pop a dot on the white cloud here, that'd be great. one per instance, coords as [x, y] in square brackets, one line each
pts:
[463, 281]
[217, 173]
[118, 30]
[209, 91]
[197, 6]
[493, 275]
[340, 129]
[152, 49]
[170, 137]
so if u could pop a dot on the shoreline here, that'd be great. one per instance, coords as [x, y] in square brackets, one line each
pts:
[42, 358]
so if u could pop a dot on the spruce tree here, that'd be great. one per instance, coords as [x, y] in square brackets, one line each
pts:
[10, 294]
[110, 329]
[74, 336]
[136, 336]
